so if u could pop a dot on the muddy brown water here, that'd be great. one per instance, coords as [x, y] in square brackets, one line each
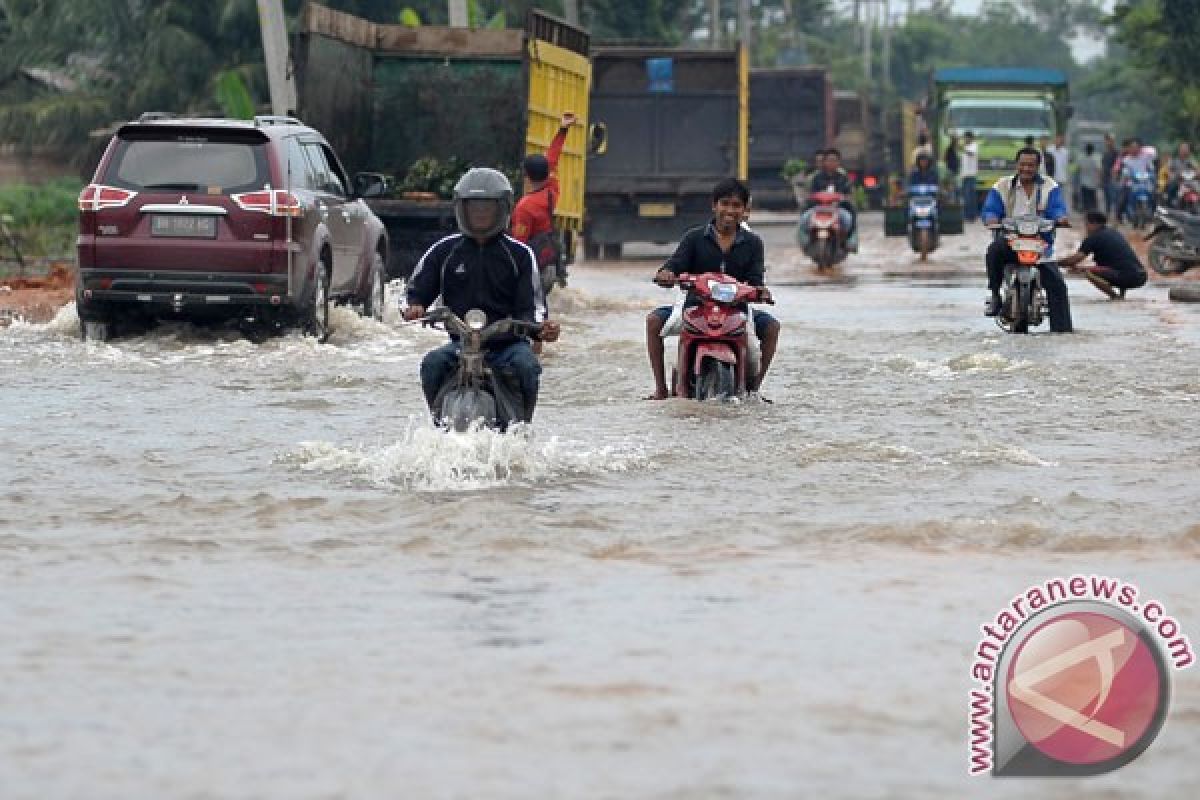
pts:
[252, 570]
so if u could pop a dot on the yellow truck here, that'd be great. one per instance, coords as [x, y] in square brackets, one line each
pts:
[431, 101]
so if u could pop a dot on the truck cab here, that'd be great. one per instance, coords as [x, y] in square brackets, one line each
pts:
[1002, 107]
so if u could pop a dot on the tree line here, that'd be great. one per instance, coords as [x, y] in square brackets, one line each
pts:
[112, 59]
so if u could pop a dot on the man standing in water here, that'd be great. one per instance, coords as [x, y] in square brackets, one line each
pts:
[723, 245]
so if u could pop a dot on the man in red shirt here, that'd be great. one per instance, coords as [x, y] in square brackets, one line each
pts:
[533, 217]
[534, 214]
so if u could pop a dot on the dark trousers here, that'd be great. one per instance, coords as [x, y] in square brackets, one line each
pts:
[1000, 254]
[970, 211]
[1088, 196]
[517, 357]
[1121, 280]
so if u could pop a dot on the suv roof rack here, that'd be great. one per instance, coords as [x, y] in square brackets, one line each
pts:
[275, 119]
[155, 116]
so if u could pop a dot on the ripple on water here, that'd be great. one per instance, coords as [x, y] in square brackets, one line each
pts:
[428, 459]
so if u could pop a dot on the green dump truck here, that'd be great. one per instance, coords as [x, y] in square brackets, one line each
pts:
[420, 105]
[1002, 106]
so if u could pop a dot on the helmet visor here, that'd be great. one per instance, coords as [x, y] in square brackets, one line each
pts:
[482, 217]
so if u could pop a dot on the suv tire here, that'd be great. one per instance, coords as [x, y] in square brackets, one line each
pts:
[316, 316]
[374, 304]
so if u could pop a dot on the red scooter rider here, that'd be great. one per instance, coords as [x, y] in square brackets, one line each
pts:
[723, 245]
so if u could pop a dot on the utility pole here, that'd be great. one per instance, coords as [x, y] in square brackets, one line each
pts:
[866, 37]
[279, 63]
[744, 32]
[887, 45]
[458, 14]
[571, 11]
[714, 23]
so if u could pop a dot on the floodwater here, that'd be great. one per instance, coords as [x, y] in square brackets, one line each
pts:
[237, 570]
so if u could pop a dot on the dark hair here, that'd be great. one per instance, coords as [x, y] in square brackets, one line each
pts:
[1097, 218]
[1029, 141]
[1089, 148]
[1029, 151]
[833, 151]
[731, 187]
[970, 133]
[536, 167]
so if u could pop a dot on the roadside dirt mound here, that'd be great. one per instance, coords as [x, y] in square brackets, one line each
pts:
[36, 298]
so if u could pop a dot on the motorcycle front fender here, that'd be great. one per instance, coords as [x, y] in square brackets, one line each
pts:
[719, 351]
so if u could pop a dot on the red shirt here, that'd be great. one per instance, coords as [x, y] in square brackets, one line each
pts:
[533, 214]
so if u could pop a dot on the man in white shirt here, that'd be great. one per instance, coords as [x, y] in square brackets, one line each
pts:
[970, 171]
[1062, 158]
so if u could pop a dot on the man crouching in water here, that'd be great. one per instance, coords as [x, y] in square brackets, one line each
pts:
[722, 245]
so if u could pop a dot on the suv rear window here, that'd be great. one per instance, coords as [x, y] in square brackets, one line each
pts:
[191, 161]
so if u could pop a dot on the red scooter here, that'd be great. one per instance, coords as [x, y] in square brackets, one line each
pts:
[713, 354]
[824, 242]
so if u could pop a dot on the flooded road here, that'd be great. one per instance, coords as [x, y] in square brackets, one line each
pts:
[239, 570]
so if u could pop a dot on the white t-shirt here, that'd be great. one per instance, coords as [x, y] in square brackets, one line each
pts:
[969, 160]
[1061, 156]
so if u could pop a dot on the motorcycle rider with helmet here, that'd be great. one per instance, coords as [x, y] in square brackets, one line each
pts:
[1028, 192]
[482, 267]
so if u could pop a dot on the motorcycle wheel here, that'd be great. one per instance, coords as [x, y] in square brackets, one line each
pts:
[1022, 298]
[716, 381]
[824, 254]
[923, 246]
[1160, 262]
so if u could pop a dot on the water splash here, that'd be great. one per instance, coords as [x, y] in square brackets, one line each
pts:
[429, 459]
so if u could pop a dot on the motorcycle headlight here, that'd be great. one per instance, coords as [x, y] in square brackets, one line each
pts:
[722, 292]
[475, 320]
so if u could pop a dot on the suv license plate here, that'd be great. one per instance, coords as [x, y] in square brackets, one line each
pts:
[189, 226]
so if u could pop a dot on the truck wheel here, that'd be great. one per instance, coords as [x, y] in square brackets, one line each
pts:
[612, 251]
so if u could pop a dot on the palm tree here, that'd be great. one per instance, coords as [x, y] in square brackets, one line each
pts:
[127, 56]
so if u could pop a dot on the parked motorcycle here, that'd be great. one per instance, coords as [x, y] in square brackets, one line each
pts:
[1022, 299]
[1188, 196]
[1140, 206]
[1174, 242]
[717, 348]
[824, 240]
[476, 393]
[923, 218]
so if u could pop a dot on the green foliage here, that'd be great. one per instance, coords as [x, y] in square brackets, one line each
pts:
[43, 218]
[410, 18]
[52, 203]
[1164, 46]
[233, 97]
[793, 167]
[428, 174]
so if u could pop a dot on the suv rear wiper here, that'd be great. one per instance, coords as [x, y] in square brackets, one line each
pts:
[185, 187]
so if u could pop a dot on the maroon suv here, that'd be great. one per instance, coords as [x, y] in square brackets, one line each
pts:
[226, 219]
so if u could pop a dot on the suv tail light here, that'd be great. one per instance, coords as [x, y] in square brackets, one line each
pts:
[277, 203]
[96, 196]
